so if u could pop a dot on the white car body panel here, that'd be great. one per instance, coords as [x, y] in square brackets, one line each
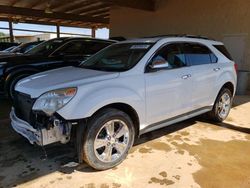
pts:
[127, 89]
[38, 84]
[155, 96]
[167, 94]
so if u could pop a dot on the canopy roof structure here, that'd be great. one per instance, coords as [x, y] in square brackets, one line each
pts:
[75, 13]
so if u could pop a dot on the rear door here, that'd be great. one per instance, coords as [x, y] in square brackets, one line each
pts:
[204, 68]
[168, 90]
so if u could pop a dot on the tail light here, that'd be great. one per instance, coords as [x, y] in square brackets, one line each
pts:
[236, 67]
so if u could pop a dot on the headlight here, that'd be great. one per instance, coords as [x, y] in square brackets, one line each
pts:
[52, 101]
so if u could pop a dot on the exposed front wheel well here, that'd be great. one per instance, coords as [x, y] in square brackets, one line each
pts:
[128, 110]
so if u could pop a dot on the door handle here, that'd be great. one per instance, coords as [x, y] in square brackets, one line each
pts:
[216, 69]
[186, 76]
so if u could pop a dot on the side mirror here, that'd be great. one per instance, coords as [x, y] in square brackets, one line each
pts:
[159, 64]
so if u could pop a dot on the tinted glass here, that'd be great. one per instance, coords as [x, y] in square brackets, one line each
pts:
[224, 51]
[71, 48]
[81, 48]
[117, 57]
[93, 47]
[172, 55]
[46, 48]
[197, 54]
[29, 47]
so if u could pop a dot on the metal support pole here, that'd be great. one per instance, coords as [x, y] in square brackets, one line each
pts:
[93, 32]
[58, 31]
[11, 31]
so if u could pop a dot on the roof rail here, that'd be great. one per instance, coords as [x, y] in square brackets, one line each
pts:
[181, 35]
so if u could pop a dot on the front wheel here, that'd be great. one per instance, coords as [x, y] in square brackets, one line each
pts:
[107, 140]
[222, 105]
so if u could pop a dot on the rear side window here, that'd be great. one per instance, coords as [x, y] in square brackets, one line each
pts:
[197, 54]
[71, 48]
[224, 51]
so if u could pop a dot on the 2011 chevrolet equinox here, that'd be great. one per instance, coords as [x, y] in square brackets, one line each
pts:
[125, 90]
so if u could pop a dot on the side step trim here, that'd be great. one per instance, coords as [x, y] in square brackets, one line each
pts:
[175, 119]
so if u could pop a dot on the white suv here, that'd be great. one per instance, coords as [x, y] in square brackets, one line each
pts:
[125, 90]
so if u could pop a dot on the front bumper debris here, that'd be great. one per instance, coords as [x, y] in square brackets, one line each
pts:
[59, 132]
[25, 129]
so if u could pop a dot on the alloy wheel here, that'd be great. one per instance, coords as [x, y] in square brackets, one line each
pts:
[111, 141]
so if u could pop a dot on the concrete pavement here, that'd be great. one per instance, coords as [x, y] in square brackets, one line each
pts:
[194, 153]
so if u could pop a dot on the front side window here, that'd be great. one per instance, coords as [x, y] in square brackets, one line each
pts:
[118, 57]
[46, 48]
[197, 54]
[170, 57]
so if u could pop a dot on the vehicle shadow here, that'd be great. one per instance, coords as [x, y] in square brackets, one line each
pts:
[229, 126]
[164, 131]
[5, 106]
[240, 100]
[27, 162]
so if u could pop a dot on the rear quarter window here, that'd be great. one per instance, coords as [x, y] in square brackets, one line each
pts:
[224, 51]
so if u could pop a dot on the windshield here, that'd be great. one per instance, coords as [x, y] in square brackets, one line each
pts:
[117, 57]
[45, 48]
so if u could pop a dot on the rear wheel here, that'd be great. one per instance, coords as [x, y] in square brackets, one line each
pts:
[107, 140]
[222, 105]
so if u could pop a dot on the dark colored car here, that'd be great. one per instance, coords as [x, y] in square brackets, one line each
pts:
[8, 49]
[51, 54]
[5, 45]
[22, 48]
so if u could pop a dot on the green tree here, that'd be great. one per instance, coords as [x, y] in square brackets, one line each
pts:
[2, 34]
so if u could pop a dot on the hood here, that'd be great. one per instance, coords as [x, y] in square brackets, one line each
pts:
[40, 83]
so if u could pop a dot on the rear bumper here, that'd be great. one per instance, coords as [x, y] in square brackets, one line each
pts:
[25, 129]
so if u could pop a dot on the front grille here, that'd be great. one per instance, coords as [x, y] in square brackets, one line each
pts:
[23, 106]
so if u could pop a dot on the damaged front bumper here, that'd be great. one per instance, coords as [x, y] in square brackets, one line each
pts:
[60, 132]
[25, 129]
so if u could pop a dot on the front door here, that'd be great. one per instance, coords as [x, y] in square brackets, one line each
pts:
[168, 87]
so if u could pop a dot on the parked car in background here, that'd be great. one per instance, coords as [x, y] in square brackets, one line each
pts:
[125, 90]
[5, 45]
[8, 49]
[20, 49]
[48, 55]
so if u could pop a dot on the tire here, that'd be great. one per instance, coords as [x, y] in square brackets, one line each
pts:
[112, 148]
[217, 114]
[12, 83]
